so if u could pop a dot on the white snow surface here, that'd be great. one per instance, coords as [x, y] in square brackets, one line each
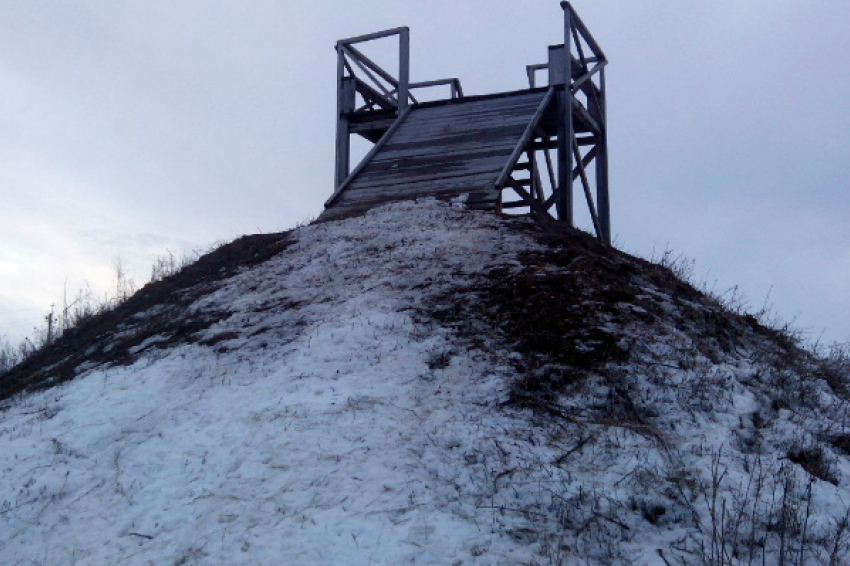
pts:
[321, 437]
[337, 425]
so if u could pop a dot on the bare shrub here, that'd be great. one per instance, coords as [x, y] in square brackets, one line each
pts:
[168, 264]
[9, 355]
[812, 457]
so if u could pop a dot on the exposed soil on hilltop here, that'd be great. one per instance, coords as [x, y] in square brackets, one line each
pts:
[158, 310]
[566, 310]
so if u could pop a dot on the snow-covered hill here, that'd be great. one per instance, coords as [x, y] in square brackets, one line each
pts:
[426, 385]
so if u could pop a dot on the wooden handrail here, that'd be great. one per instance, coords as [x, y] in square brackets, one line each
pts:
[375, 35]
[454, 83]
[582, 29]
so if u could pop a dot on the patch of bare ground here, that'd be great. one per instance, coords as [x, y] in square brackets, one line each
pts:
[156, 316]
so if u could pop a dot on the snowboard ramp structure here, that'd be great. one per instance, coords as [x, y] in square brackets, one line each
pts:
[521, 151]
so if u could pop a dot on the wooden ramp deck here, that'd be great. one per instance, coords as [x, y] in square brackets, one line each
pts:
[447, 149]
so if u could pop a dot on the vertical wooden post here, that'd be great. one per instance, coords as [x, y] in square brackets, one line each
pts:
[403, 69]
[346, 94]
[602, 200]
[342, 143]
[564, 202]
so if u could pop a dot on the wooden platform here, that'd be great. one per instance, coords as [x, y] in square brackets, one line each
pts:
[449, 149]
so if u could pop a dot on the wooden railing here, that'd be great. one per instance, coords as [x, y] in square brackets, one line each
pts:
[370, 98]
[375, 82]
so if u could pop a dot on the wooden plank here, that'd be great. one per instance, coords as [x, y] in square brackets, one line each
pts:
[434, 166]
[480, 153]
[427, 175]
[514, 115]
[466, 153]
[468, 103]
[473, 112]
[431, 128]
[470, 145]
[463, 107]
[377, 182]
[375, 149]
[466, 120]
[371, 199]
[480, 135]
[484, 133]
[468, 99]
[477, 181]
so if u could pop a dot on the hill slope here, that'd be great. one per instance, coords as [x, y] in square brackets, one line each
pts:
[424, 385]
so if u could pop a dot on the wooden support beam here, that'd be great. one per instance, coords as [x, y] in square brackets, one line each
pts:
[403, 85]
[582, 29]
[536, 183]
[586, 186]
[602, 197]
[577, 85]
[524, 195]
[365, 64]
[579, 48]
[564, 192]
[514, 204]
[585, 161]
[551, 170]
[543, 145]
[525, 139]
[370, 125]
[370, 94]
[345, 104]
[584, 116]
[357, 55]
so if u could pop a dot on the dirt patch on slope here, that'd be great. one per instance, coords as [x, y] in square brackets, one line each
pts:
[157, 316]
[565, 311]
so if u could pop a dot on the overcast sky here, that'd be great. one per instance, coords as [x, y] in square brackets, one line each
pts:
[138, 127]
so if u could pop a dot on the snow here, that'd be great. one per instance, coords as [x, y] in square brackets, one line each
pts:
[322, 436]
[329, 421]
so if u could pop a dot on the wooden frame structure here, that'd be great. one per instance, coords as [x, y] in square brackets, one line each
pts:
[369, 98]
[567, 117]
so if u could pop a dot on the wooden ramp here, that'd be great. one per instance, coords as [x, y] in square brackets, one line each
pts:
[447, 149]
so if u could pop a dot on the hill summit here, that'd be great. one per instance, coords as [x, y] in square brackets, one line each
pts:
[424, 385]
